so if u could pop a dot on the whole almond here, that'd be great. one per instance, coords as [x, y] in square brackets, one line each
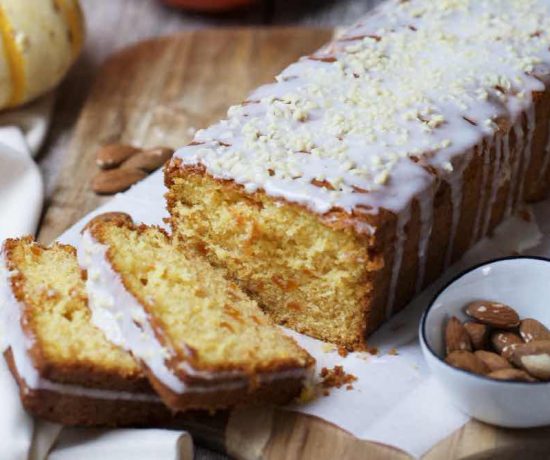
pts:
[504, 342]
[112, 155]
[511, 375]
[494, 314]
[479, 334]
[531, 330]
[467, 361]
[493, 361]
[150, 159]
[534, 358]
[456, 337]
[116, 180]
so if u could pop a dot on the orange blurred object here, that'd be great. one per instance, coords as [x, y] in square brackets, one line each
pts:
[209, 6]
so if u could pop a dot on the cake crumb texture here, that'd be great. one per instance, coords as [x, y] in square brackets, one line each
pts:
[200, 317]
[306, 275]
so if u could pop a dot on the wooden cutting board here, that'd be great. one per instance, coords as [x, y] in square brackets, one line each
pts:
[155, 93]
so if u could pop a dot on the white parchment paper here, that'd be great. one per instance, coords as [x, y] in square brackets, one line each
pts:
[395, 400]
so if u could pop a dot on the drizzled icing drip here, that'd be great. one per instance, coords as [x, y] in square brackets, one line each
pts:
[399, 247]
[372, 118]
[425, 202]
[456, 184]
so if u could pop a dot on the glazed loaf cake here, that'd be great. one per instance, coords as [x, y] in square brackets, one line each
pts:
[336, 193]
[66, 370]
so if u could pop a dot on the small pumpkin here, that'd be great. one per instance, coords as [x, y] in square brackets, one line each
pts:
[209, 6]
[39, 40]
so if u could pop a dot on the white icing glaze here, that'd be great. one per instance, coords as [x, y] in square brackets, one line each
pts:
[124, 322]
[456, 182]
[357, 121]
[414, 85]
[14, 338]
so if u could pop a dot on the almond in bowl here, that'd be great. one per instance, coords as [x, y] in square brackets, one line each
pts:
[486, 338]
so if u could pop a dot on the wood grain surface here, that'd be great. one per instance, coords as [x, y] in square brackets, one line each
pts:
[114, 24]
[154, 93]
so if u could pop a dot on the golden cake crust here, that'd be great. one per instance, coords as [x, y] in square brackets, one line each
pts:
[275, 393]
[72, 410]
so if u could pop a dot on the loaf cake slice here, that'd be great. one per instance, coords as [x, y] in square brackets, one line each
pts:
[203, 343]
[66, 369]
[335, 194]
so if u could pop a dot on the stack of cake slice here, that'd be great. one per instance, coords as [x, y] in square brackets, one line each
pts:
[66, 370]
[91, 347]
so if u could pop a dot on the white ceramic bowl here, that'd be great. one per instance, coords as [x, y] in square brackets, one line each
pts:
[520, 282]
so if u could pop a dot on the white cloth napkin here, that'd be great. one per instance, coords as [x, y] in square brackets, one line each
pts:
[21, 196]
[22, 133]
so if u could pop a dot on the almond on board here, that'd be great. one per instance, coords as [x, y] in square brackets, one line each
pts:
[112, 155]
[150, 159]
[117, 180]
